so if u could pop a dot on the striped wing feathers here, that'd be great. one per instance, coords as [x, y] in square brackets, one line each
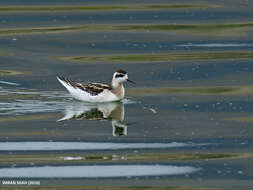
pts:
[91, 88]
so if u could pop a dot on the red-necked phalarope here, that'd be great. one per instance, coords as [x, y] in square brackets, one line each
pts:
[97, 92]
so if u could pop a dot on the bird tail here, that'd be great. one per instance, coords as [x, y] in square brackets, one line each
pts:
[67, 83]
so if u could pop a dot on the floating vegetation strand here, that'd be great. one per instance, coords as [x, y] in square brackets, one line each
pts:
[86, 158]
[126, 7]
[210, 90]
[11, 72]
[185, 90]
[204, 29]
[162, 57]
[196, 27]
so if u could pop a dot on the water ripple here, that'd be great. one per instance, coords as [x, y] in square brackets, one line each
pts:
[40, 102]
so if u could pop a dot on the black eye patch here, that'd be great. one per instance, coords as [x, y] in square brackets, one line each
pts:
[119, 75]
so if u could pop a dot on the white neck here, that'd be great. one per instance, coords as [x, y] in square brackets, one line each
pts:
[115, 84]
[118, 89]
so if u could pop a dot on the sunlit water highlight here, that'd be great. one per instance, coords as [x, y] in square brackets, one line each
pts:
[21, 107]
[44, 146]
[9, 83]
[96, 171]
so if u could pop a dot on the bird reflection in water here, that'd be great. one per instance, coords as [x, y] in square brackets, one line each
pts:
[113, 111]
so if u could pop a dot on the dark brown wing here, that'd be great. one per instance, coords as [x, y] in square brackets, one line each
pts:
[92, 88]
[95, 88]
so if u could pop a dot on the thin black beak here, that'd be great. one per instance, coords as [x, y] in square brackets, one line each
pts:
[131, 81]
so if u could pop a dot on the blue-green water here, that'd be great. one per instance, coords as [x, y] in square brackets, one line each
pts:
[186, 124]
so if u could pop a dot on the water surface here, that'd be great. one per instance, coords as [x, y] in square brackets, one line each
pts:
[186, 124]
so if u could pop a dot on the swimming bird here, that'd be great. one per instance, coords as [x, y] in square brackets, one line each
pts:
[97, 92]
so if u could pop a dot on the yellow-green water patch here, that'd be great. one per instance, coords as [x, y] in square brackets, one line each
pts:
[210, 90]
[205, 29]
[56, 29]
[186, 90]
[58, 158]
[11, 72]
[196, 27]
[247, 119]
[120, 7]
[4, 53]
[145, 58]
[40, 30]
[233, 29]
[17, 96]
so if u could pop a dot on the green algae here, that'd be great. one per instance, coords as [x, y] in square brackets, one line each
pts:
[210, 90]
[11, 72]
[162, 57]
[61, 8]
[59, 158]
[246, 119]
[11, 97]
[180, 6]
[4, 53]
[126, 7]
[206, 156]
[204, 29]
[38, 30]
[192, 27]
[186, 90]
